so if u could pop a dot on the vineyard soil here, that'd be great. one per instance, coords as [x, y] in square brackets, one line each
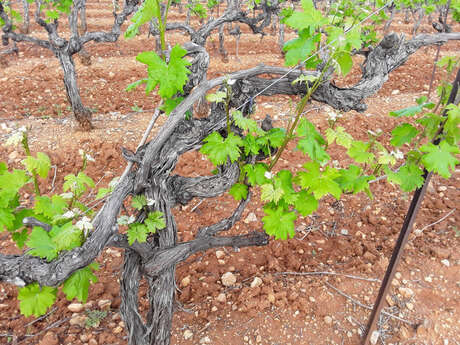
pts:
[352, 237]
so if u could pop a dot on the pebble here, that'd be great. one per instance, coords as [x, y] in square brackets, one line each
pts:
[221, 298]
[188, 334]
[256, 282]
[406, 292]
[92, 341]
[428, 279]
[395, 92]
[220, 254]
[312, 299]
[117, 330]
[104, 304]
[84, 338]
[445, 262]
[328, 320]
[78, 320]
[75, 307]
[398, 275]
[185, 282]
[344, 232]
[258, 339]
[205, 340]
[50, 338]
[228, 279]
[410, 306]
[250, 218]
[374, 337]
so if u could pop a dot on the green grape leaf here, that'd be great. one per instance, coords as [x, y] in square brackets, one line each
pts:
[66, 237]
[13, 180]
[218, 149]
[6, 219]
[250, 145]
[35, 300]
[41, 244]
[310, 18]
[270, 192]
[155, 221]
[306, 203]
[413, 110]
[170, 104]
[137, 232]
[320, 184]
[138, 202]
[171, 77]
[340, 136]
[351, 180]
[145, 13]
[345, 62]
[311, 141]
[451, 126]
[239, 191]
[439, 158]
[102, 192]
[20, 237]
[276, 136]
[245, 123]
[77, 184]
[217, 97]
[255, 173]
[50, 207]
[40, 165]
[279, 223]
[359, 152]
[77, 285]
[409, 177]
[403, 134]
[298, 49]
[431, 123]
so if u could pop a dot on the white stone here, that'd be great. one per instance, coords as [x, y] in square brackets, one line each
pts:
[228, 279]
[445, 262]
[344, 232]
[312, 299]
[104, 304]
[75, 307]
[205, 340]
[395, 92]
[221, 298]
[256, 282]
[428, 279]
[250, 218]
[328, 320]
[220, 254]
[406, 292]
[185, 281]
[188, 334]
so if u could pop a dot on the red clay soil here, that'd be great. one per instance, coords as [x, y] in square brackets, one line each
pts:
[351, 239]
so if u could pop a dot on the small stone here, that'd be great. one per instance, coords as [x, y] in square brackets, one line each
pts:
[250, 218]
[395, 92]
[84, 338]
[3, 306]
[50, 338]
[111, 74]
[92, 341]
[404, 333]
[221, 298]
[78, 320]
[185, 282]
[258, 339]
[256, 282]
[374, 337]
[328, 320]
[312, 299]
[445, 262]
[395, 282]
[369, 256]
[75, 307]
[246, 338]
[221, 262]
[344, 232]
[117, 330]
[442, 188]
[428, 279]
[389, 300]
[228, 279]
[188, 334]
[271, 298]
[220, 254]
[398, 275]
[214, 309]
[13, 155]
[205, 340]
[410, 306]
[441, 253]
[104, 304]
[406, 292]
